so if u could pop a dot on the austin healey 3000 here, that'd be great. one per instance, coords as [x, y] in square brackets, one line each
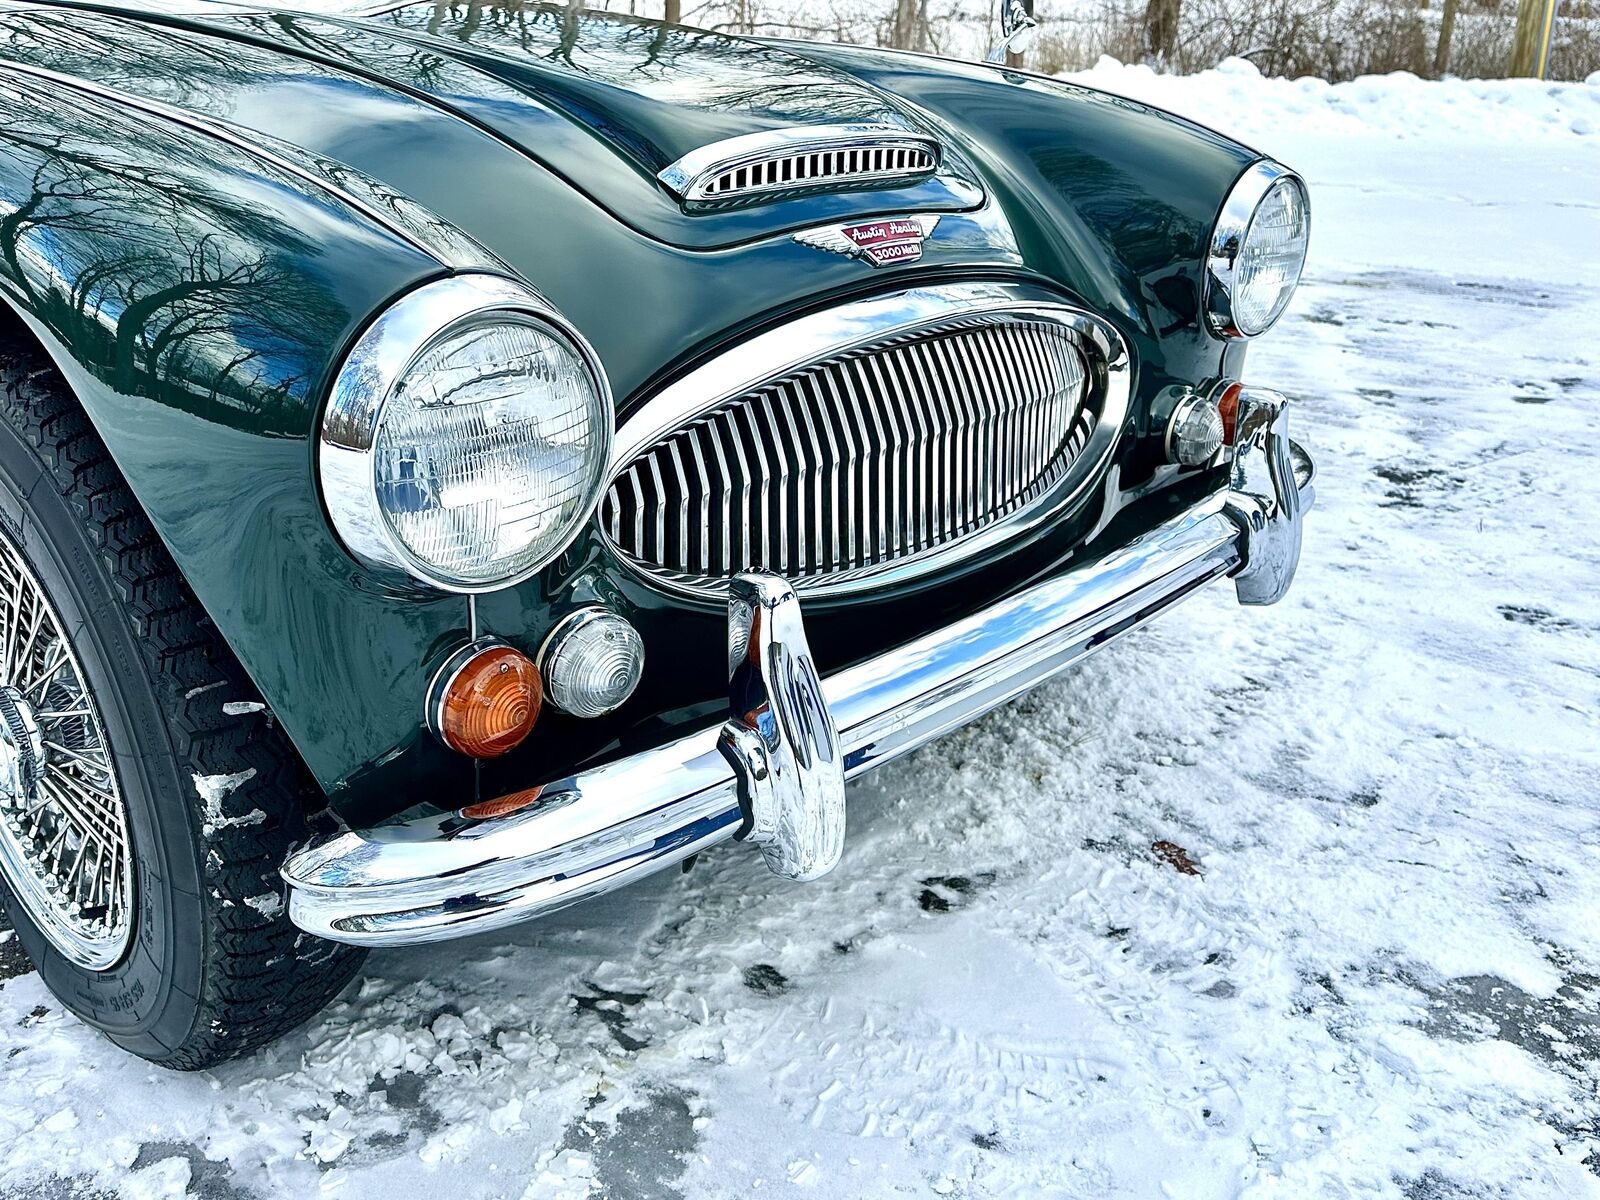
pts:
[458, 459]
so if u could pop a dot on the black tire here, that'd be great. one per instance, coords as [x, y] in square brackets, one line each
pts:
[213, 968]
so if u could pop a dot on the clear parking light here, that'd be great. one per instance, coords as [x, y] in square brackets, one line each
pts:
[591, 662]
[1258, 250]
[467, 437]
[1194, 432]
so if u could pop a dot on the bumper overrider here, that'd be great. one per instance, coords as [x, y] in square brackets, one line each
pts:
[774, 772]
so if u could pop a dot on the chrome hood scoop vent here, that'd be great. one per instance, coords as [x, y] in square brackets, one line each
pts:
[805, 158]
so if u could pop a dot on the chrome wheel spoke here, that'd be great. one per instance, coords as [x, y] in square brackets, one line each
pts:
[95, 758]
[63, 826]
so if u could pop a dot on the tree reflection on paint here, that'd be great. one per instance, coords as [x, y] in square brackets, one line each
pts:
[160, 283]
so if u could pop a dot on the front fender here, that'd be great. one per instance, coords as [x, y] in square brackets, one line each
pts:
[196, 296]
[1112, 198]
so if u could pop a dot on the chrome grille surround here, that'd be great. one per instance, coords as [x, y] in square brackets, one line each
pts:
[803, 158]
[869, 443]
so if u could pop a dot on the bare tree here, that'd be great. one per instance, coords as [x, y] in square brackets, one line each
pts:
[1161, 28]
[909, 27]
[1525, 44]
[1447, 28]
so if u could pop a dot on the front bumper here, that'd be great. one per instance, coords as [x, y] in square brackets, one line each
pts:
[774, 771]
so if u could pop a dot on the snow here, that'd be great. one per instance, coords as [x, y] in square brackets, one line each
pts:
[1385, 979]
[214, 789]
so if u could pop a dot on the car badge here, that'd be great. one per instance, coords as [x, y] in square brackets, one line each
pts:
[881, 242]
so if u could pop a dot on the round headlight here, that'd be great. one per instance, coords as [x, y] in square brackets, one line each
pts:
[1257, 250]
[467, 436]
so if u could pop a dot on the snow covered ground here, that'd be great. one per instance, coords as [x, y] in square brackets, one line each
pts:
[1384, 979]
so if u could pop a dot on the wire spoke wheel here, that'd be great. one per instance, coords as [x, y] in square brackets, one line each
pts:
[151, 906]
[63, 827]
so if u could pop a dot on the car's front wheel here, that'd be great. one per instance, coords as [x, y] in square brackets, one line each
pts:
[146, 798]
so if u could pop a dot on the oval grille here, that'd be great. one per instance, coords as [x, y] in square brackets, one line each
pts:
[884, 454]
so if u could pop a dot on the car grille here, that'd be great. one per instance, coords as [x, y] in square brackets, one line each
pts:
[888, 453]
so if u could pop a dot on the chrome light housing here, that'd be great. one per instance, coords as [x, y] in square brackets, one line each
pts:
[467, 437]
[1257, 251]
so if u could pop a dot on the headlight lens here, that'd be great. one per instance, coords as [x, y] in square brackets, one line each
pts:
[468, 436]
[486, 456]
[1257, 250]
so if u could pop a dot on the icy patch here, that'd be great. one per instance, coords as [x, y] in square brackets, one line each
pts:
[568, 1176]
[269, 904]
[167, 1178]
[238, 708]
[214, 789]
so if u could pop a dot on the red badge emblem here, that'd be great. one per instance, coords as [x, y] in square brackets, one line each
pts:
[881, 242]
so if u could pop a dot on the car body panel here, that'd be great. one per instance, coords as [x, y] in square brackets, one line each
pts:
[533, 156]
[602, 102]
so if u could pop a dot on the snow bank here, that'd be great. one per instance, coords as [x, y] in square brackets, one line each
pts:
[1236, 98]
[1512, 162]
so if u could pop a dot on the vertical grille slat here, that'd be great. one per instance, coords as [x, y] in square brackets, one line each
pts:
[854, 462]
[722, 563]
[949, 482]
[841, 413]
[702, 491]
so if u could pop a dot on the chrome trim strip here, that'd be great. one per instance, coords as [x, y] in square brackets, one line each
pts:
[354, 410]
[376, 10]
[1227, 239]
[225, 133]
[443, 877]
[780, 352]
[883, 153]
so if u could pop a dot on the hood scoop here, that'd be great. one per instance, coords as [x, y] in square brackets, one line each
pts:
[769, 163]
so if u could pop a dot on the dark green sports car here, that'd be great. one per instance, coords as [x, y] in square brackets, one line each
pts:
[460, 458]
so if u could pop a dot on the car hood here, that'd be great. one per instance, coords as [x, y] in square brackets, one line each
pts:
[603, 101]
[526, 139]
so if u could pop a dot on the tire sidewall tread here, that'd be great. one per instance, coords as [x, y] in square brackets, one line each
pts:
[146, 650]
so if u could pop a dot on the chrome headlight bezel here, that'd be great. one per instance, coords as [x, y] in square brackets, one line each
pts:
[1227, 243]
[354, 412]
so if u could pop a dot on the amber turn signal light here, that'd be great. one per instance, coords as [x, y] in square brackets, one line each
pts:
[1228, 406]
[502, 806]
[485, 699]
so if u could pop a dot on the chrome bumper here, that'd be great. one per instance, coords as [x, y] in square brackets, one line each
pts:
[774, 771]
